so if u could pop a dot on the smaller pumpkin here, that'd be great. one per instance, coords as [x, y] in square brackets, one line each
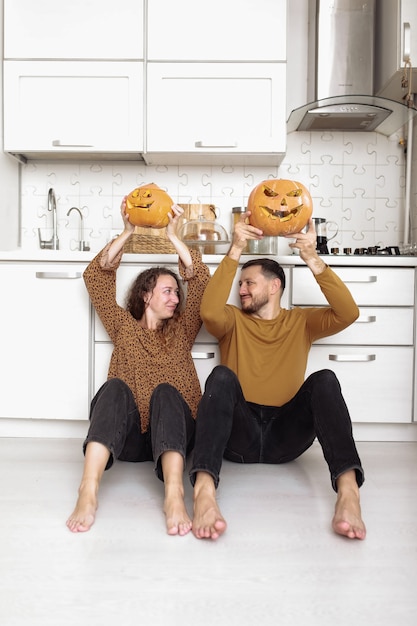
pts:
[280, 207]
[149, 206]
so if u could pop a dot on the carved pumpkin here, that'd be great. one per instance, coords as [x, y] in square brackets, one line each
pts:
[149, 206]
[280, 207]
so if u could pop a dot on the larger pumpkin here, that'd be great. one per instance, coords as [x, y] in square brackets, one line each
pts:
[280, 207]
[149, 206]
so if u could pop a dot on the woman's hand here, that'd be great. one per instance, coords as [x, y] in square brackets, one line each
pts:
[181, 248]
[128, 226]
[174, 217]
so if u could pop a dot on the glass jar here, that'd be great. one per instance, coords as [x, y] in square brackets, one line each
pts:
[236, 213]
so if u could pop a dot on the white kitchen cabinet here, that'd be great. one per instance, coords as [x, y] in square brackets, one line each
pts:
[44, 337]
[374, 357]
[66, 108]
[396, 35]
[226, 113]
[236, 30]
[53, 29]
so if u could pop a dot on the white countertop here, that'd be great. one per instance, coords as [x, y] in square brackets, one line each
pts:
[67, 256]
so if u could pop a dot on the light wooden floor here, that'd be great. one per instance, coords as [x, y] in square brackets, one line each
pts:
[278, 564]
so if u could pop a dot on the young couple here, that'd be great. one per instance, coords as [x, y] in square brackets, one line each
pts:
[256, 407]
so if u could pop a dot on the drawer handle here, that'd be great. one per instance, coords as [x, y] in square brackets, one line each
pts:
[57, 143]
[58, 274]
[366, 320]
[370, 279]
[352, 358]
[208, 144]
[203, 355]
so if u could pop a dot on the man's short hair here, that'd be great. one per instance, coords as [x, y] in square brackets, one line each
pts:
[269, 268]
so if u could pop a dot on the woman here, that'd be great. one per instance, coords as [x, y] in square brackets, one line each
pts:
[146, 409]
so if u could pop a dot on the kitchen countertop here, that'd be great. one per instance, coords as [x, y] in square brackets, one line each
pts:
[335, 260]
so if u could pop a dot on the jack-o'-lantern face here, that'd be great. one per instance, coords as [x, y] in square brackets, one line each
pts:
[280, 207]
[149, 206]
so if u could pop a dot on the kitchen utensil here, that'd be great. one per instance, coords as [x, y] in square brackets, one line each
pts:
[320, 224]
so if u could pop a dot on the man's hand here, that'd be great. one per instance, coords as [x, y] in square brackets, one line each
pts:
[242, 232]
[306, 244]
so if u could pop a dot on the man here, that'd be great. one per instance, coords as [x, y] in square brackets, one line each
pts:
[256, 407]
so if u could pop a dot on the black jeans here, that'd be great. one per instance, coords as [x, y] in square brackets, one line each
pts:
[228, 426]
[115, 423]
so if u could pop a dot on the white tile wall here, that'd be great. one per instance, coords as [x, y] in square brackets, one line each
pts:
[356, 180]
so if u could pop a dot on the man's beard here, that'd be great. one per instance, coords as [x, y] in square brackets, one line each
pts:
[256, 303]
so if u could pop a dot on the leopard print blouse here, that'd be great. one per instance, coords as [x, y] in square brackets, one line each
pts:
[140, 357]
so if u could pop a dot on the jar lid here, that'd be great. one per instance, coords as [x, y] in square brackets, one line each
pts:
[239, 209]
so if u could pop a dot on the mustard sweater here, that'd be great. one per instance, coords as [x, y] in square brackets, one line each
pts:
[139, 356]
[269, 357]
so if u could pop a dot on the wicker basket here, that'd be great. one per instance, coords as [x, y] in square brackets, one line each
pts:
[148, 244]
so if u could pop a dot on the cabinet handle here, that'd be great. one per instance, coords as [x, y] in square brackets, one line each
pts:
[204, 144]
[58, 274]
[63, 144]
[406, 42]
[366, 320]
[353, 358]
[203, 355]
[370, 279]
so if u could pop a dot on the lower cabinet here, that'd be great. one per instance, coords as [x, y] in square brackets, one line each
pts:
[374, 357]
[44, 338]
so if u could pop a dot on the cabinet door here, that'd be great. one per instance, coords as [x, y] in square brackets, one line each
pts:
[208, 108]
[377, 382]
[67, 107]
[52, 29]
[44, 335]
[236, 30]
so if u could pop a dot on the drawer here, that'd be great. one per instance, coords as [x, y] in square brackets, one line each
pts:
[368, 285]
[206, 356]
[377, 326]
[377, 382]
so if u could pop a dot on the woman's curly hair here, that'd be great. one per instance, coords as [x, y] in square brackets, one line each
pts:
[145, 283]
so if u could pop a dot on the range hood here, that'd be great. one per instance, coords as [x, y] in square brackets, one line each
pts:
[341, 42]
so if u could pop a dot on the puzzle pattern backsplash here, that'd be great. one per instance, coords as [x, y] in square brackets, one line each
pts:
[356, 180]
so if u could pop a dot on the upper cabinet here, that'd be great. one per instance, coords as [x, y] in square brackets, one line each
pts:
[223, 113]
[396, 41]
[215, 30]
[67, 108]
[96, 29]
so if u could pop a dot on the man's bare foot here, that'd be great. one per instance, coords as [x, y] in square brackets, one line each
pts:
[347, 518]
[83, 516]
[177, 519]
[208, 522]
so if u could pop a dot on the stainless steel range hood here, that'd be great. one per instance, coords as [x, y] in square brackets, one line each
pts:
[342, 35]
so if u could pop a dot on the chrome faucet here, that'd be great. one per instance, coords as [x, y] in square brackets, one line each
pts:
[82, 245]
[53, 243]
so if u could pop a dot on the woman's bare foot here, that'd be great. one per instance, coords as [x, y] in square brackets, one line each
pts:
[347, 520]
[83, 516]
[208, 522]
[177, 519]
